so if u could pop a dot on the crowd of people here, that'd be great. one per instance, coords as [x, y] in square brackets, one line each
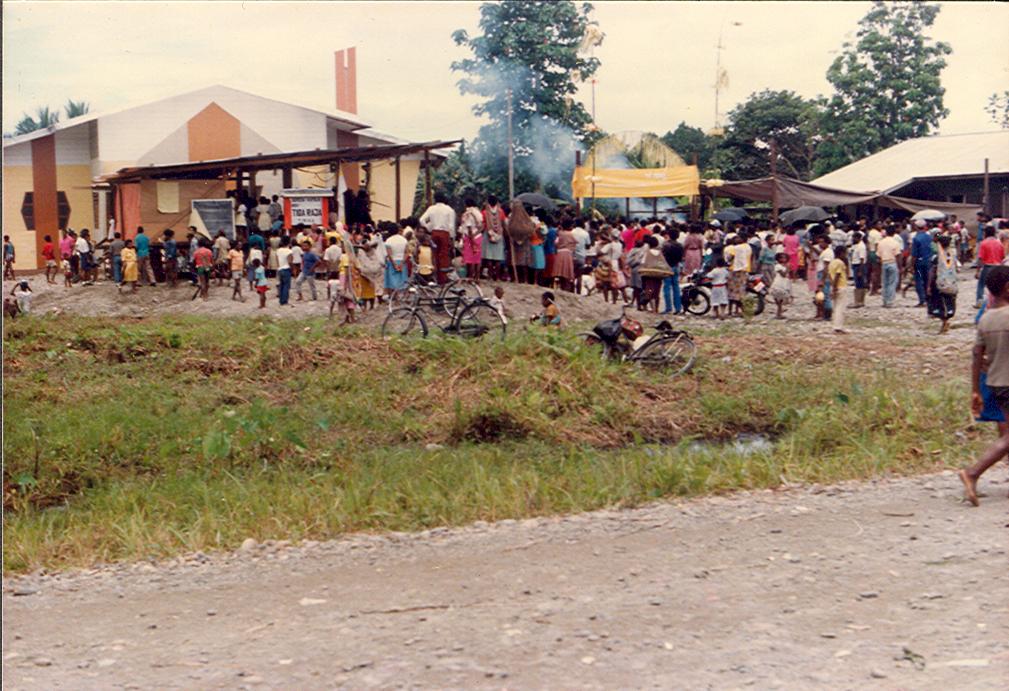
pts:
[629, 261]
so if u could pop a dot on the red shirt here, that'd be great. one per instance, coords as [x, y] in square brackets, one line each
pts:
[991, 251]
[48, 252]
[203, 257]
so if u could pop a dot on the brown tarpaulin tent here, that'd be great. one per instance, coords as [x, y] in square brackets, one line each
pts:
[793, 193]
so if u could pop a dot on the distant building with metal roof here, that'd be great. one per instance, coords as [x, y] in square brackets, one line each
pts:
[945, 168]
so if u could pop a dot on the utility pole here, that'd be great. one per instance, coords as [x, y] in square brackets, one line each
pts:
[595, 128]
[511, 151]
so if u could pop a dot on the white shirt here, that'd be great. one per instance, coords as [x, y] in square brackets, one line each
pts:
[395, 246]
[858, 253]
[81, 246]
[332, 255]
[584, 240]
[254, 254]
[283, 258]
[740, 256]
[826, 256]
[296, 253]
[439, 217]
[874, 237]
[613, 252]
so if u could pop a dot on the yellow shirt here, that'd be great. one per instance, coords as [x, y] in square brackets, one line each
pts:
[425, 261]
[888, 249]
[838, 273]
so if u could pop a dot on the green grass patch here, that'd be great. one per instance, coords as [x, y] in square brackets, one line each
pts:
[132, 439]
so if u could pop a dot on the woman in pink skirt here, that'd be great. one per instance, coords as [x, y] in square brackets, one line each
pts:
[790, 246]
[471, 229]
[693, 250]
[564, 259]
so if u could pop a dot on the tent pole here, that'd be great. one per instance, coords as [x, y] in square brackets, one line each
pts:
[655, 207]
[427, 178]
[774, 181]
[627, 207]
[693, 197]
[398, 185]
[985, 195]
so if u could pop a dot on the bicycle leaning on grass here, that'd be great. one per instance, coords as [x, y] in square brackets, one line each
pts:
[468, 317]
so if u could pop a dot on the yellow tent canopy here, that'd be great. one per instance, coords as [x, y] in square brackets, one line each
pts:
[635, 182]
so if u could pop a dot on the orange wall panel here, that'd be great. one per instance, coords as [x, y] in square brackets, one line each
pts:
[44, 192]
[214, 133]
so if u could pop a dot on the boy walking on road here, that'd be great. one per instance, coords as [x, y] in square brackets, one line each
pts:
[991, 349]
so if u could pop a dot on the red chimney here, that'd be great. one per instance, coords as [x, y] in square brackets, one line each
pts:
[346, 80]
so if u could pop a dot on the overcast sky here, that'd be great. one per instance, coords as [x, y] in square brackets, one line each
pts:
[658, 59]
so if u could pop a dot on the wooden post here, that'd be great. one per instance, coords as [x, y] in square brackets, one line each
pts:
[398, 184]
[252, 185]
[774, 182]
[428, 192]
[627, 207]
[693, 197]
[288, 177]
[985, 200]
[578, 164]
[655, 207]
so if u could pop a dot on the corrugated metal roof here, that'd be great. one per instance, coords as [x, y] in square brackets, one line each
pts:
[348, 119]
[927, 157]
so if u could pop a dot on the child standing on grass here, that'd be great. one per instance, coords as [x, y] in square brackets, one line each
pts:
[781, 286]
[719, 291]
[259, 278]
[237, 261]
[991, 349]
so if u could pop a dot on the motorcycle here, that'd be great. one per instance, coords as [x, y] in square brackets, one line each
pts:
[696, 292]
[668, 349]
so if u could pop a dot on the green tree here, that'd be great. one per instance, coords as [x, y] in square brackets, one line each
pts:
[457, 177]
[782, 116]
[534, 50]
[687, 141]
[998, 109]
[886, 86]
[75, 109]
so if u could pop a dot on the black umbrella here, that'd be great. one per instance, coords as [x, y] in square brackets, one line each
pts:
[538, 200]
[804, 213]
[733, 213]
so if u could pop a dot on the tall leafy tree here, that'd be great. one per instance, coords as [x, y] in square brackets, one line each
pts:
[534, 50]
[782, 116]
[886, 85]
[687, 141]
[458, 178]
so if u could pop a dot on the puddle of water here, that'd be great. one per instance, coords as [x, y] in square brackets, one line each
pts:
[744, 444]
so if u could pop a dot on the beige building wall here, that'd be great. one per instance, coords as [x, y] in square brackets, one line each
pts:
[383, 188]
[16, 181]
[76, 182]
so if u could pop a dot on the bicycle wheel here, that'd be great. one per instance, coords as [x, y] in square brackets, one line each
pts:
[590, 339]
[696, 302]
[480, 319]
[674, 353]
[404, 321]
[449, 301]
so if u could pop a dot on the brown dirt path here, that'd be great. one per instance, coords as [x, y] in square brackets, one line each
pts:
[891, 584]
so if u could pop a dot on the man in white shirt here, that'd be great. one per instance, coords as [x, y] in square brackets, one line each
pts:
[858, 257]
[889, 250]
[580, 253]
[332, 255]
[872, 239]
[284, 270]
[439, 220]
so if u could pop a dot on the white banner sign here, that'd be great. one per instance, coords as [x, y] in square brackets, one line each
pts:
[306, 211]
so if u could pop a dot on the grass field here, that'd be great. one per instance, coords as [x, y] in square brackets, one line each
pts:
[139, 438]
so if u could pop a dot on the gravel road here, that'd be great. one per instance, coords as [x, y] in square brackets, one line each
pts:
[892, 584]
